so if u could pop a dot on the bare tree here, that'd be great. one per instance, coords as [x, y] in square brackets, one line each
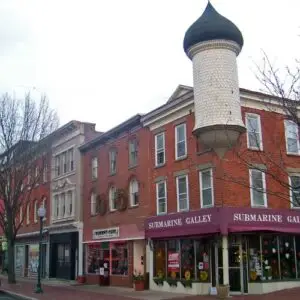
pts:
[25, 126]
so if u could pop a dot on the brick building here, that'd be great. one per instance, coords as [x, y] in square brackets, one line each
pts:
[116, 201]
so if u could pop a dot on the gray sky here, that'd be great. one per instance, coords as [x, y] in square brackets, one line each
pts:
[104, 61]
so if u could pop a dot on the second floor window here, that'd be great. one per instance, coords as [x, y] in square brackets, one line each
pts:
[133, 152]
[295, 191]
[94, 167]
[180, 141]
[134, 192]
[254, 135]
[161, 197]
[93, 204]
[291, 137]
[258, 188]
[160, 157]
[182, 193]
[113, 161]
[35, 211]
[206, 188]
[56, 206]
[45, 173]
[113, 198]
[28, 213]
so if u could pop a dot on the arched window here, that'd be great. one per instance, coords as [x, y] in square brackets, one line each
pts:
[93, 203]
[112, 198]
[35, 207]
[28, 213]
[134, 192]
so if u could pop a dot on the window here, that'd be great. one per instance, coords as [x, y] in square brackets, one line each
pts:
[35, 208]
[134, 192]
[161, 197]
[64, 162]
[119, 264]
[160, 158]
[206, 188]
[180, 141]
[62, 205]
[287, 257]
[112, 198]
[295, 191]
[182, 193]
[37, 174]
[57, 166]
[258, 188]
[133, 152]
[96, 254]
[112, 161]
[45, 171]
[93, 203]
[203, 267]
[69, 207]
[160, 259]
[21, 214]
[28, 213]
[173, 248]
[94, 167]
[187, 258]
[291, 137]
[56, 206]
[71, 159]
[44, 205]
[254, 134]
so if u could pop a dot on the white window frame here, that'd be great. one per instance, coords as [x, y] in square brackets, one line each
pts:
[28, 213]
[45, 173]
[157, 199]
[211, 186]
[35, 207]
[43, 204]
[264, 188]
[286, 124]
[177, 142]
[21, 213]
[95, 167]
[163, 150]
[56, 206]
[111, 199]
[70, 208]
[131, 195]
[93, 204]
[260, 146]
[112, 154]
[187, 192]
[133, 155]
[291, 191]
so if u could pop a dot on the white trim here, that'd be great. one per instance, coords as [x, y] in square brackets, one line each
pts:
[291, 191]
[187, 193]
[176, 141]
[64, 150]
[131, 194]
[166, 198]
[286, 137]
[264, 189]
[94, 167]
[114, 240]
[257, 116]
[112, 199]
[164, 148]
[211, 186]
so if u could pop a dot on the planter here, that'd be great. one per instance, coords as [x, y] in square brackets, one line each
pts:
[158, 281]
[81, 279]
[223, 291]
[139, 285]
[186, 283]
[172, 282]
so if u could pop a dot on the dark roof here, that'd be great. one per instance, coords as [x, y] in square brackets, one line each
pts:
[211, 26]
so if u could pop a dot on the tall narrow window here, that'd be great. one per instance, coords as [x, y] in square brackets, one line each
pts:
[70, 203]
[254, 135]
[295, 191]
[63, 204]
[161, 197]
[258, 188]
[134, 192]
[206, 188]
[182, 193]
[45, 173]
[94, 167]
[44, 205]
[35, 209]
[133, 152]
[291, 137]
[93, 203]
[64, 162]
[160, 157]
[71, 159]
[113, 161]
[28, 213]
[57, 165]
[21, 214]
[112, 198]
[180, 141]
[37, 175]
[56, 207]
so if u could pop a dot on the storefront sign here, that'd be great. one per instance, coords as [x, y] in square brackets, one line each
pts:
[173, 262]
[271, 218]
[113, 232]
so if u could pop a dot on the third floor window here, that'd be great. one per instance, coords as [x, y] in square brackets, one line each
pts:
[113, 161]
[291, 137]
[94, 167]
[254, 134]
[64, 162]
[160, 151]
[133, 152]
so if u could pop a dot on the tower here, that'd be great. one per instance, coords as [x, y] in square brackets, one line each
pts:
[213, 43]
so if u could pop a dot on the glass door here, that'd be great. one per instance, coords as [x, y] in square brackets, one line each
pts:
[234, 263]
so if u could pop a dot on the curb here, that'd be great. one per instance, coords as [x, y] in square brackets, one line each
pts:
[22, 297]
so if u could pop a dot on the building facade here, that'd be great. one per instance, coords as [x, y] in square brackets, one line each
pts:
[65, 226]
[116, 202]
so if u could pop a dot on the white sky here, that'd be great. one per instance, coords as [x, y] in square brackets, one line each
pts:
[103, 61]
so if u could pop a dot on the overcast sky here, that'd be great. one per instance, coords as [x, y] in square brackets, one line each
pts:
[103, 61]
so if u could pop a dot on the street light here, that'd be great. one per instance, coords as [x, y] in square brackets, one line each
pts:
[41, 213]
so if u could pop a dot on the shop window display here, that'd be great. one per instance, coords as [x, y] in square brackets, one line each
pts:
[187, 259]
[173, 259]
[96, 254]
[202, 260]
[297, 244]
[270, 263]
[287, 257]
[119, 263]
[160, 259]
[255, 267]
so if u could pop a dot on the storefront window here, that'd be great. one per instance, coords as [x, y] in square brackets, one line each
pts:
[187, 259]
[173, 259]
[202, 260]
[119, 264]
[255, 258]
[96, 255]
[297, 243]
[160, 259]
[270, 263]
[287, 257]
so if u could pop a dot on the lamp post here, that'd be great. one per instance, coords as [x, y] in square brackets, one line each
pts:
[41, 213]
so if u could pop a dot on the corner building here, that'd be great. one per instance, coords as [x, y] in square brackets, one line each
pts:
[217, 214]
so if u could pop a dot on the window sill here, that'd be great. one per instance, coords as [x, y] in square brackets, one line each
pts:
[292, 154]
[64, 219]
[160, 166]
[64, 175]
[181, 158]
[203, 152]
[295, 207]
[137, 205]
[112, 210]
[255, 149]
[130, 167]
[161, 214]
[112, 174]
[207, 206]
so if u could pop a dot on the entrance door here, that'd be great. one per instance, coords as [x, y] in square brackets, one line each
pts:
[63, 263]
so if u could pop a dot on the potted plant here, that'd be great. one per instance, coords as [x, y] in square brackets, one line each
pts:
[223, 291]
[81, 279]
[139, 281]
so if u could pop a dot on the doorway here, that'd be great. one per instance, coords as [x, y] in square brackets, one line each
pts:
[237, 264]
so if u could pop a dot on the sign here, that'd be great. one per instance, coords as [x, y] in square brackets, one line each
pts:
[265, 218]
[33, 259]
[107, 233]
[173, 262]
